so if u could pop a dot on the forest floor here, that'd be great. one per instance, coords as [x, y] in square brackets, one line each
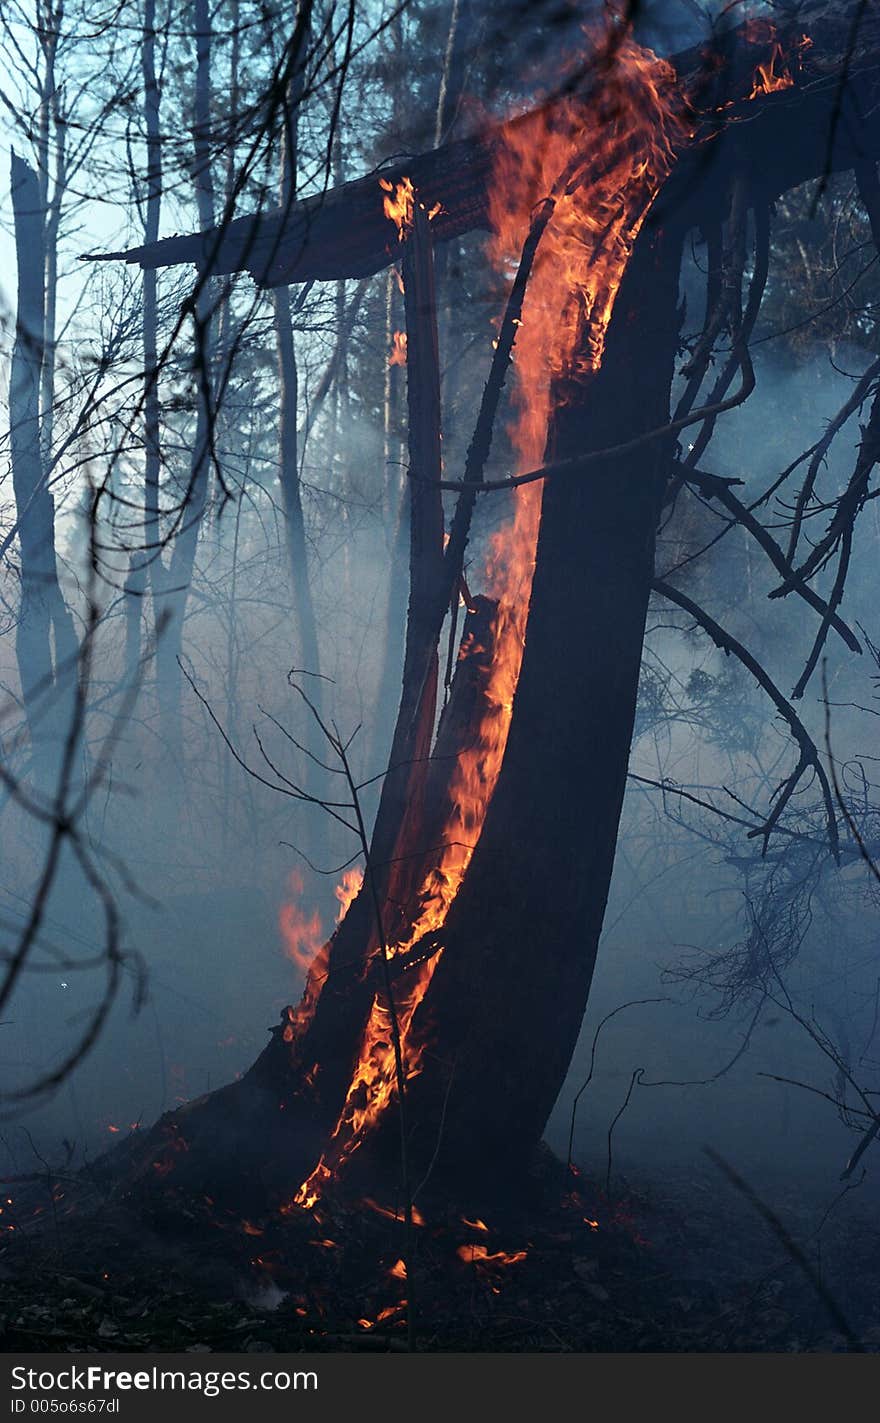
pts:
[676, 1265]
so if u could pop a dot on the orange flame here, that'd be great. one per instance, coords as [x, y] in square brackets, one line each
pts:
[614, 152]
[774, 71]
[617, 152]
[767, 80]
[398, 349]
[302, 933]
[398, 204]
[306, 945]
[348, 890]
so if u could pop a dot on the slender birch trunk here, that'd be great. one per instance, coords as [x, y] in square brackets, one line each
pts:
[182, 562]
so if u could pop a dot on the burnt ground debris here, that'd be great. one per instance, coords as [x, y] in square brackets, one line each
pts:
[677, 1263]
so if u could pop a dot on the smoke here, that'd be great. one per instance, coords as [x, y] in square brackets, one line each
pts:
[200, 856]
[684, 883]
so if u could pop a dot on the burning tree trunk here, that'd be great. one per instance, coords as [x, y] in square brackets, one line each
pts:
[494, 953]
[519, 944]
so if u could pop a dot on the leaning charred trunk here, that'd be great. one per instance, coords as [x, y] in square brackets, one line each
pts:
[507, 1000]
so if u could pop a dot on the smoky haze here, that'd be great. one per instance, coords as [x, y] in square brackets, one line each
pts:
[225, 886]
[215, 869]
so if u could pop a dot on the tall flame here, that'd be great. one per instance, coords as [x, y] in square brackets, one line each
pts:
[347, 890]
[617, 150]
[774, 71]
[767, 79]
[397, 354]
[302, 933]
[306, 943]
[398, 204]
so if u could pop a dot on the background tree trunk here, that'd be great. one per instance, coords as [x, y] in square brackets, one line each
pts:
[182, 562]
[146, 567]
[307, 654]
[43, 610]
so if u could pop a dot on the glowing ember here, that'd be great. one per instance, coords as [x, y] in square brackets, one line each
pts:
[474, 1224]
[383, 1314]
[398, 1270]
[479, 1255]
[417, 1217]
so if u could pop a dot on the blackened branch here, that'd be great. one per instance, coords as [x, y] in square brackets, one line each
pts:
[714, 488]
